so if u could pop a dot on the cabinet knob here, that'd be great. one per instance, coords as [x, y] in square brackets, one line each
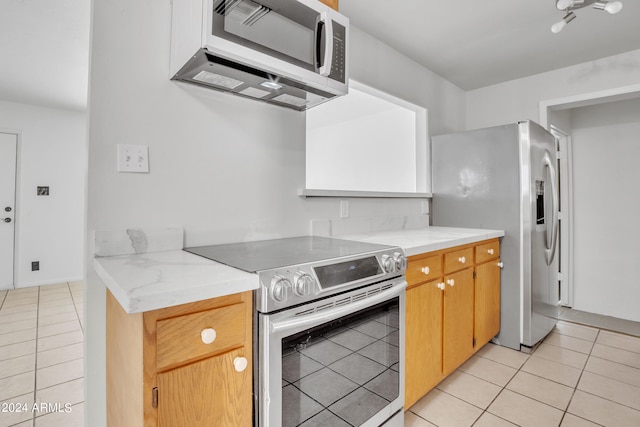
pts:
[462, 260]
[441, 286]
[208, 335]
[240, 364]
[426, 270]
[451, 282]
[501, 264]
[490, 251]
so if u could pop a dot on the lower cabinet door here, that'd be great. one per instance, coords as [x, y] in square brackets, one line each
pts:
[423, 341]
[458, 319]
[206, 393]
[487, 302]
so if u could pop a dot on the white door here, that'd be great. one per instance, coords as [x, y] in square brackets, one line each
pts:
[8, 147]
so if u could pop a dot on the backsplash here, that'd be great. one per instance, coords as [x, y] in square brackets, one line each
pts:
[358, 225]
[137, 240]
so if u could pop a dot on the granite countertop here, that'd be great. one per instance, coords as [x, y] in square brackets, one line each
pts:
[428, 239]
[146, 269]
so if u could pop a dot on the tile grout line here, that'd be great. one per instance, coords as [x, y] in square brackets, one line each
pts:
[485, 410]
[564, 411]
[578, 382]
[35, 368]
[75, 307]
[603, 376]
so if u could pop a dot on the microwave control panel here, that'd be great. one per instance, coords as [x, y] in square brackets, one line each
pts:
[338, 66]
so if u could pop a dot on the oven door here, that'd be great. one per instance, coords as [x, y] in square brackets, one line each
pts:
[338, 361]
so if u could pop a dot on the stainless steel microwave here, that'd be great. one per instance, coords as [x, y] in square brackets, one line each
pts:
[292, 53]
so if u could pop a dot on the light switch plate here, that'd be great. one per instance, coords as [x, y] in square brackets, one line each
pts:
[133, 158]
[424, 207]
[344, 209]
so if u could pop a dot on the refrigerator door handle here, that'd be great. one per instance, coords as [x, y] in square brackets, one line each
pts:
[550, 250]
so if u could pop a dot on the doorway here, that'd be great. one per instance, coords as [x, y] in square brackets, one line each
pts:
[8, 166]
[565, 292]
[597, 184]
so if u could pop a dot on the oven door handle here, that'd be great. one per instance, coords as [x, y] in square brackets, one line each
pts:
[304, 322]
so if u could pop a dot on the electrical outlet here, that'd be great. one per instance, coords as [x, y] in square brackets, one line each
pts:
[35, 265]
[344, 209]
[133, 158]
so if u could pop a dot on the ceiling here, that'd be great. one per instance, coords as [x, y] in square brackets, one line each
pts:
[475, 43]
[44, 44]
[44, 52]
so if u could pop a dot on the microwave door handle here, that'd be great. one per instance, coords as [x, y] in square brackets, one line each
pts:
[324, 39]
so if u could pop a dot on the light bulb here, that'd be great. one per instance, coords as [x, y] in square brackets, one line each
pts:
[613, 7]
[271, 85]
[558, 26]
[564, 4]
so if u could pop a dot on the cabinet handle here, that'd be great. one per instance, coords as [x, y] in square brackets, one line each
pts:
[208, 335]
[451, 282]
[240, 364]
[462, 260]
[426, 270]
[440, 286]
[490, 251]
[501, 264]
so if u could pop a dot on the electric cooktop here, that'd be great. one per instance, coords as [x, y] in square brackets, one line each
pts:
[262, 255]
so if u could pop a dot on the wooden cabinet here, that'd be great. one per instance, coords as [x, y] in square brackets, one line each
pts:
[451, 312]
[333, 4]
[183, 365]
[423, 365]
[457, 345]
[487, 293]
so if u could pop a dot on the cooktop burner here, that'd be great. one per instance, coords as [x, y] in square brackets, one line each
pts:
[269, 254]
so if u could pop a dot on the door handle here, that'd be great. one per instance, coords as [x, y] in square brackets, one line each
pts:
[324, 44]
[550, 251]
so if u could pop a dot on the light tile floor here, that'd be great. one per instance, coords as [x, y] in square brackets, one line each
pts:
[41, 356]
[579, 376]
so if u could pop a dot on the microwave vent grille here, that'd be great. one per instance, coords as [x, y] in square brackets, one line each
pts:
[246, 12]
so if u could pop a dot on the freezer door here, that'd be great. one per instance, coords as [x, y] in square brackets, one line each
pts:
[540, 208]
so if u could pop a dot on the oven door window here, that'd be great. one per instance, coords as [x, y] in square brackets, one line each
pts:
[343, 372]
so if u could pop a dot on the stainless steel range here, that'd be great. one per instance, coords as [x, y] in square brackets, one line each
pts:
[328, 332]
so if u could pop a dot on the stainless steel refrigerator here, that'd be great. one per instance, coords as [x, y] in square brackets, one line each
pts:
[505, 177]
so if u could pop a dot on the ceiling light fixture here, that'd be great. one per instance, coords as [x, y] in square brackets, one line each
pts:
[569, 6]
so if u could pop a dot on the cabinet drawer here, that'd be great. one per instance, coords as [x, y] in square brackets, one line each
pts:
[487, 251]
[424, 269]
[181, 339]
[454, 261]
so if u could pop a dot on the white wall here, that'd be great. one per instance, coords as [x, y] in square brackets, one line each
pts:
[519, 99]
[225, 168]
[377, 65]
[49, 229]
[606, 149]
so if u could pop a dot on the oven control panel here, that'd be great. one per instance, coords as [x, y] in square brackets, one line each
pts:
[288, 286]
